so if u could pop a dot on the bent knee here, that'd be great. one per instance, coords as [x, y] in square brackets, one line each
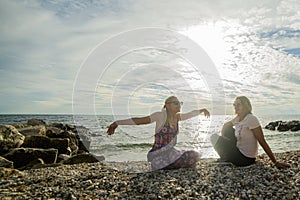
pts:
[214, 139]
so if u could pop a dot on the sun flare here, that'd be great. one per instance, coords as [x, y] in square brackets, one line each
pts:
[211, 38]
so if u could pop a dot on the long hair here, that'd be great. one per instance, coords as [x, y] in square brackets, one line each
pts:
[246, 104]
[168, 100]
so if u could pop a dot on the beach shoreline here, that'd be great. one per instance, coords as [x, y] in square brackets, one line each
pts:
[135, 180]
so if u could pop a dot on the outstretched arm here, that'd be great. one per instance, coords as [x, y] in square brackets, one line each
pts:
[258, 133]
[184, 116]
[131, 121]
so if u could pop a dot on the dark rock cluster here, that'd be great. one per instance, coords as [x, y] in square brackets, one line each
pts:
[282, 126]
[37, 144]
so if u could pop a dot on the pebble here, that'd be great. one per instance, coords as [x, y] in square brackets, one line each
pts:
[135, 180]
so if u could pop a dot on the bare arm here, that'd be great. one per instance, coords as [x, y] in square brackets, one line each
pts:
[258, 133]
[184, 116]
[131, 121]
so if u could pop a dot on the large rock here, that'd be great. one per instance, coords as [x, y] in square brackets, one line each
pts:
[79, 136]
[6, 163]
[43, 142]
[33, 130]
[73, 140]
[9, 138]
[35, 122]
[84, 136]
[62, 145]
[294, 125]
[283, 126]
[81, 158]
[36, 141]
[23, 156]
[272, 125]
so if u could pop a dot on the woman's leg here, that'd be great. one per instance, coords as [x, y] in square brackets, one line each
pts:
[223, 146]
[238, 159]
[187, 159]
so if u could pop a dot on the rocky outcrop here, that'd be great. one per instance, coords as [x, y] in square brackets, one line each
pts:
[23, 156]
[10, 138]
[81, 158]
[35, 122]
[37, 144]
[282, 126]
[43, 142]
[6, 163]
[33, 130]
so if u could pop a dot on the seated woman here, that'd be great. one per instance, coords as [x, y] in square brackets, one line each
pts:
[163, 154]
[240, 145]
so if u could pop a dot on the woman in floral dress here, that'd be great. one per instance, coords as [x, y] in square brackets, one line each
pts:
[163, 154]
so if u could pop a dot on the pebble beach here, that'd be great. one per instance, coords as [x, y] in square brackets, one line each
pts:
[135, 180]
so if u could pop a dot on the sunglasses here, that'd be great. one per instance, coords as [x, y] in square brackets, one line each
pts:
[176, 102]
[236, 104]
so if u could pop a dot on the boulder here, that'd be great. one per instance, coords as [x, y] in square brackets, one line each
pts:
[36, 141]
[23, 156]
[33, 130]
[61, 144]
[283, 126]
[84, 136]
[73, 141]
[35, 122]
[294, 125]
[62, 157]
[6, 163]
[9, 138]
[33, 163]
[81, 158]
[43, 142]
[53, 132]
[64, 127]
[79, 136]
[17, 126]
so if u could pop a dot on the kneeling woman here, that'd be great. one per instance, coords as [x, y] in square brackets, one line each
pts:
[163, 154]
[240, 145]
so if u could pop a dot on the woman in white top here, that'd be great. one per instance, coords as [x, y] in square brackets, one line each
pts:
[163, 154]
[239, 146]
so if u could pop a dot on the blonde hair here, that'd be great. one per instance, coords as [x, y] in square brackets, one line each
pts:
[168, 100]
[246, 104]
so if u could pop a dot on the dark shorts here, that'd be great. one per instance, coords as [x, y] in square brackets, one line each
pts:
[228, 151]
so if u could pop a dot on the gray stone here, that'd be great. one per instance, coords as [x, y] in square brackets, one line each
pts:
[43, 142]
[33, 130]
[6, 163]
[10, 138]
[23, 156]
[35, 122]
[81, 158]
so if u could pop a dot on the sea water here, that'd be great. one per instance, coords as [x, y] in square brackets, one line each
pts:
[131, 143]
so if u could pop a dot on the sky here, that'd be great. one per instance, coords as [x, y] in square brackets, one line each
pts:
[127, 56]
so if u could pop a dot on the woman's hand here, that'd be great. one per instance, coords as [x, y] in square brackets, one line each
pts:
[282, 165]
[205, 112]
[112, 128]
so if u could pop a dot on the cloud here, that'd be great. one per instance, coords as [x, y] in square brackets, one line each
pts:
[43, 44]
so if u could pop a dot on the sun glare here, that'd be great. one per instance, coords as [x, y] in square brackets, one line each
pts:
[210, 38]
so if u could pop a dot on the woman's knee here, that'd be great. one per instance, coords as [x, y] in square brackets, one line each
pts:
[214, 139]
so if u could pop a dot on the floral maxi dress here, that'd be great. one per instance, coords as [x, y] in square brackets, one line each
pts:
[164, 155]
